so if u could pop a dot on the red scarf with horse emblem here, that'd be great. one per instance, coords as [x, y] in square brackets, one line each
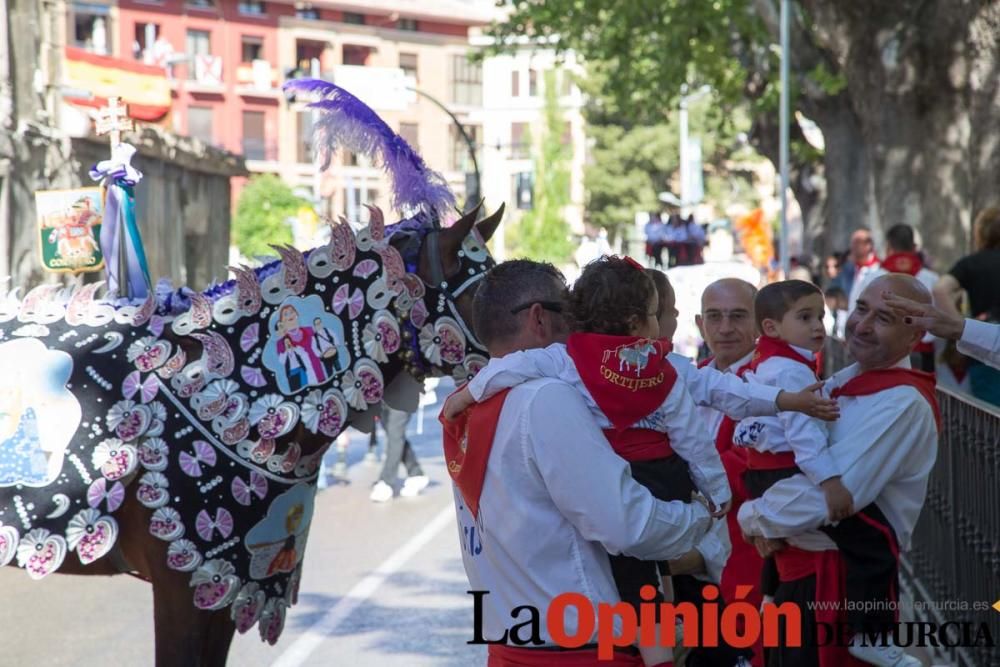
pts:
[628, 376]
[468, 440]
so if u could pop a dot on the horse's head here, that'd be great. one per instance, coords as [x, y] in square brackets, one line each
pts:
[450, 262]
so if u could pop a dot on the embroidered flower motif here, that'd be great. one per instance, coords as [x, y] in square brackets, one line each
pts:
[153, 490]
[324, 412]
[91, 535]
[354, 391]
[183, 555]
[128, 419]
[114, 459]
[374, 344]
[247, 607]
[41, 553]
[148, 353]
[215, 584]
[472, 365]
[430, 344]
[272, 416]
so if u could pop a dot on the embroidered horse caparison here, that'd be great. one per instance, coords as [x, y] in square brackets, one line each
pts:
[215, 419]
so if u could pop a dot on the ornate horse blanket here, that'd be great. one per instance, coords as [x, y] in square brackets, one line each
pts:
[214, 418]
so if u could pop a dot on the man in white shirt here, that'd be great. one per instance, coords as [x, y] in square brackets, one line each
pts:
[727, 324]
[885, 445]
[543, 508]
[863, 263]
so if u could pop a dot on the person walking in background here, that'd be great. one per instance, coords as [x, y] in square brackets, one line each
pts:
[655, 232]
[862, 262]
[977, 275]
[398, 450]
[901, 256]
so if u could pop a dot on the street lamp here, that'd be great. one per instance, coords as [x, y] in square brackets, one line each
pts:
[684, 101]
[470, 198]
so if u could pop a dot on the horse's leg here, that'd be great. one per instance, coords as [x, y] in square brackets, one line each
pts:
[215, 645]
[181, 629]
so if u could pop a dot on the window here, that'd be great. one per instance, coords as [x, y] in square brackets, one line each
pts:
[91, 27]
[356, 55]
[532, 83]
[353, 200]
[252, 48]
[410, 133]
[408, 63]
[200, 124]
[410, 25]
[566, 81]
[515, 84]
[251, 7]
[144, 37]
[354, 18]
[520, 144]
[201, 4]
[254, 146]
[466, 81]
[305, 10]
[460, 158]
[199, 43]
[304, 150]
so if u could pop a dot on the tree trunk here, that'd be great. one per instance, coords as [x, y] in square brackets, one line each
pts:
[922, 78]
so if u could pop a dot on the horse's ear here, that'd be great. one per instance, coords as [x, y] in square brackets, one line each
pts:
[488, 226]
[452, 237]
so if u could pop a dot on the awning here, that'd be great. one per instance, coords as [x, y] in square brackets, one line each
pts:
[144, 88]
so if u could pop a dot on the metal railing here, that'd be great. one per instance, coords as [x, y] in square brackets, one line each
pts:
[954, 561]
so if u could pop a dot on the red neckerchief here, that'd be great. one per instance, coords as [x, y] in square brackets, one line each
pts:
[768, 347]
[468, 440]
[903, 262]
[868, 262]
[872, 382]
[629, 377]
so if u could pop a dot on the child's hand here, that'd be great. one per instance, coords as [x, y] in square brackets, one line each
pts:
[457, 403]
[718, 513]
[839, 500]
[810, 403]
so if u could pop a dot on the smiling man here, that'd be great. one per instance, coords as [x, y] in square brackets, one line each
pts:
[885, 444]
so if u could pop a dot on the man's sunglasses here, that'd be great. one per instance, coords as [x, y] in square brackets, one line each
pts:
[551, 306]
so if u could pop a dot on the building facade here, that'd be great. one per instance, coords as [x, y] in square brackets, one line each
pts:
[225, 61]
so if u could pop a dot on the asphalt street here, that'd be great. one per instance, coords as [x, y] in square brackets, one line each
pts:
[383, 584]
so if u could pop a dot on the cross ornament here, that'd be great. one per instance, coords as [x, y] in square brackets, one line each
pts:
[114, 119]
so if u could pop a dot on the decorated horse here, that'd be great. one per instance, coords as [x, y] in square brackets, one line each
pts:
[179, 439]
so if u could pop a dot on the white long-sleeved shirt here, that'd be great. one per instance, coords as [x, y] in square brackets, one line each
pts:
[555, 500]
[981, 340]
[676, 416]
[885, 444]
[804, 436]
[724, 391]
[708, 414]
[862, 276]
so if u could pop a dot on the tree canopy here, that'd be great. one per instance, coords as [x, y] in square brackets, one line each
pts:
[265, 204]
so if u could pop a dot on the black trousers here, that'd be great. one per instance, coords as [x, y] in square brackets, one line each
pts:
[868, 547]
[799, 592]
[669, 479]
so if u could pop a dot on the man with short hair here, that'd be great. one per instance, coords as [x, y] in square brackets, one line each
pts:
[541, 497]
[727, 324]
[885, 445]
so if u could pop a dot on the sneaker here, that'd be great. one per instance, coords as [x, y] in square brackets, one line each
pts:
[882, 656]
[381, 492]
[414, 485]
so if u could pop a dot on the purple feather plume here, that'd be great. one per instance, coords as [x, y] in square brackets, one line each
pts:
[350, 123]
